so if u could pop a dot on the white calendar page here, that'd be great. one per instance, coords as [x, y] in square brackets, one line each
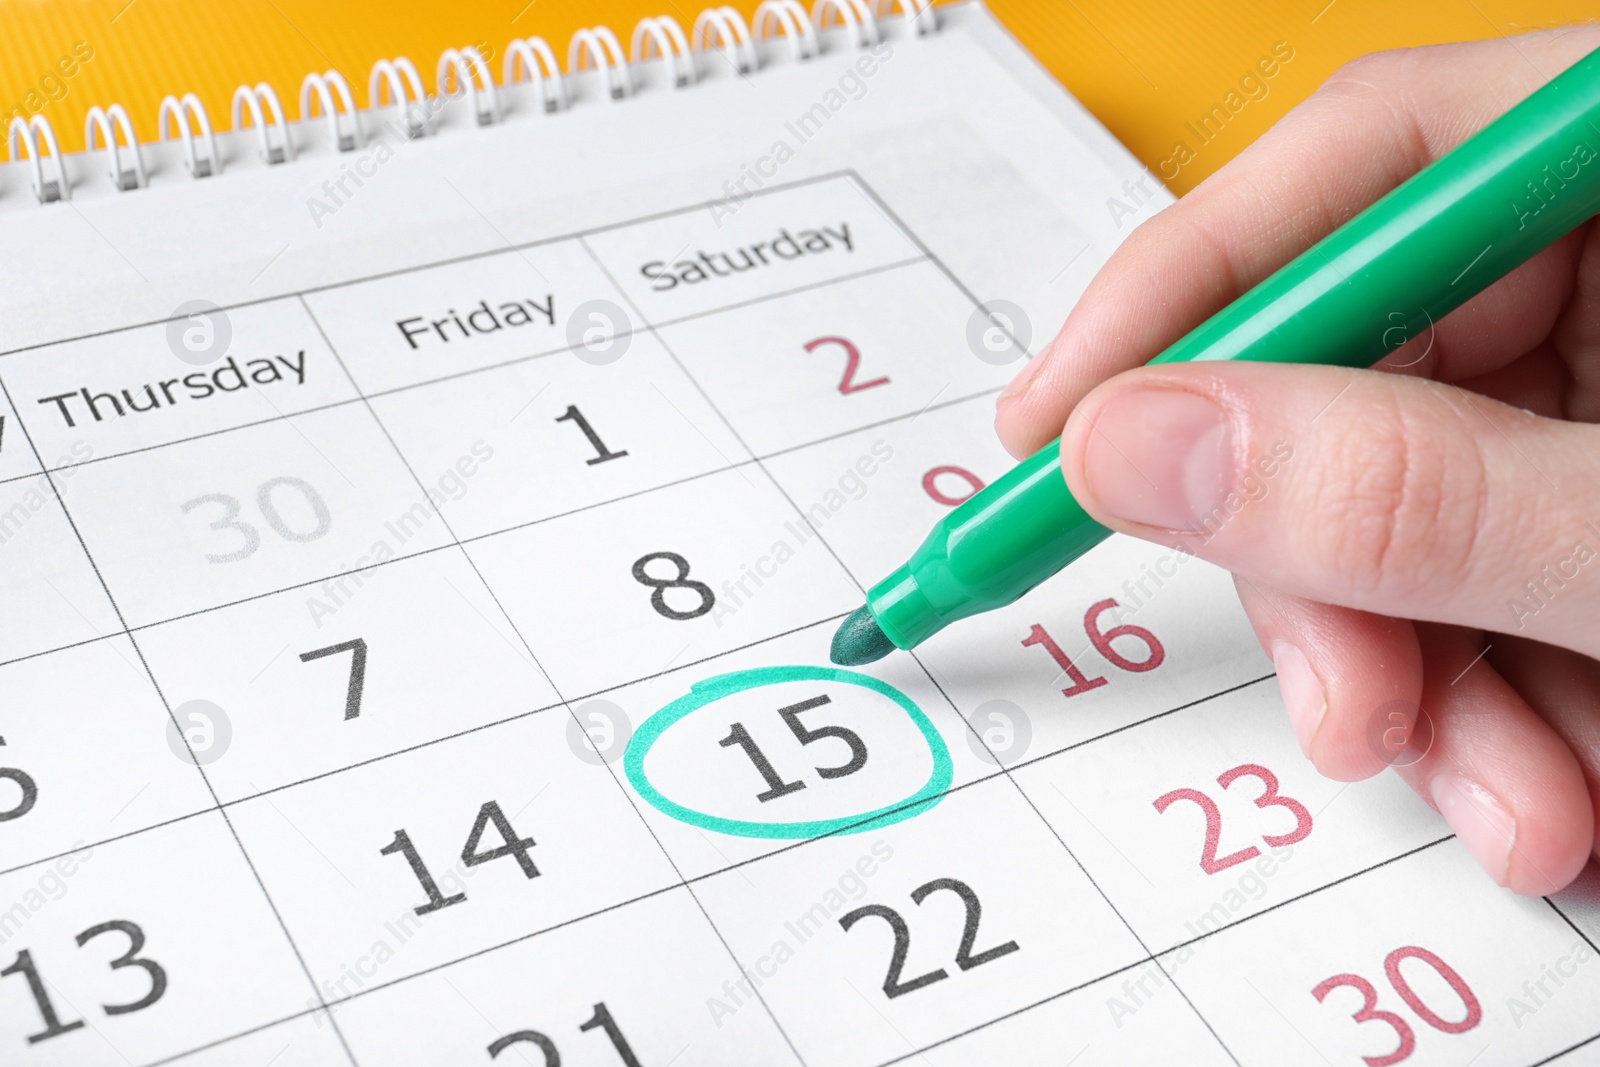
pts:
[419, 656]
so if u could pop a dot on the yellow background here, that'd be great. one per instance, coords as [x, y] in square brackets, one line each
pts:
[1145, 68]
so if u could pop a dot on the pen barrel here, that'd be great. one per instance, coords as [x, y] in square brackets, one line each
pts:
[1383, 278]
[1431, 244]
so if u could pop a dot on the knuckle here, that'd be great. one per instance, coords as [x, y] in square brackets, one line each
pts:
[1400, 500]
[1367, 72]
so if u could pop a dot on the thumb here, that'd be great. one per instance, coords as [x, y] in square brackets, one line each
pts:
[1374, 491]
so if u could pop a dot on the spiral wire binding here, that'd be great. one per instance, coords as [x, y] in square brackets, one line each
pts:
[464, 63]
[180, 111]
[600, 48]
[321, 89]
[388, 74]
[103, 123]
[33, 134]
[535, 56]
[251, 99]
[396, 83]
[733, 37]
[856, 16]
[791, 19]
[664, 32]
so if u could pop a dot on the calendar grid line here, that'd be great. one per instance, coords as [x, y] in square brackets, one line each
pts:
[499, 249]
[1148, 957]
[871, 194]
[1129, 726]
[290, 416]
[1566, 1051]
[1155, 958]
[531, 357]
[328, 1004]
[860, 587]
[336, 1003]
[405, 460]
[418, 553]
[1012, 1014]
[721, 937]
[578, 699]
[1082, 869]
[172, 717]
[1575, 927]
[1004, 770]
[1181, 945]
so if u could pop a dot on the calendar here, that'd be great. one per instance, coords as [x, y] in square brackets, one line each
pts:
[421, 554]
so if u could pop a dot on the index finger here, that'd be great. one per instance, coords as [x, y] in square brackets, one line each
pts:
[1376, 122]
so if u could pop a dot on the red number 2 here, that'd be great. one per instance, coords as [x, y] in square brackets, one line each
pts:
[852, 363]
[1209, 862]
[1369, 1011]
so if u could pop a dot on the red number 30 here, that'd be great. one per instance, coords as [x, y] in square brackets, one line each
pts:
[1370, 1012]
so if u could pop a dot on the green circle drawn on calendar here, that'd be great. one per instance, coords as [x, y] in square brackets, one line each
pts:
[715, 688]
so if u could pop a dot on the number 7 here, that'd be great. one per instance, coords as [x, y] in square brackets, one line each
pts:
[358, 671]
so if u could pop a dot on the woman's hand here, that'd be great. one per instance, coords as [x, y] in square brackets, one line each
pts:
[1427, 537]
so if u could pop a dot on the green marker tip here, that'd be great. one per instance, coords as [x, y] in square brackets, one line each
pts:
[859, 640]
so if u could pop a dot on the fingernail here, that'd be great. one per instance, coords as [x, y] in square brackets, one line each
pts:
[1479, 820]
[1019, 384]
[1303, 693]
[1160, 457]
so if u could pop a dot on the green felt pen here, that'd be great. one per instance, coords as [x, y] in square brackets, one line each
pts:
[1385, 276]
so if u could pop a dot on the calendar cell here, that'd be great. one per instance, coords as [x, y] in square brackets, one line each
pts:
[333, 675]
[799, 749]
[679, 574]
[91, 706]
[552, 435]
[195, 374]
[1422, 961]
[572, 990]
[264, 508]
[447, 850]
[1098, 647]
[874, 494]
[140, 949]
[871, 946]
[421, 325]
[1104, 1024]
[836, 358]
[58, 599]
[1198, 819]
[694, 261]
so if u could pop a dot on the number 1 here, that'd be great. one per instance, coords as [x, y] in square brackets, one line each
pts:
[602, 1019]
[573, 415]
[776, 786]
